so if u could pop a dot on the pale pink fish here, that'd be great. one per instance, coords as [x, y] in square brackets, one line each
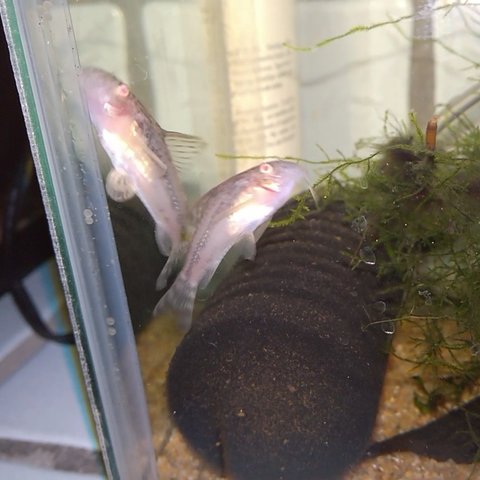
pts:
[141, 153]
[234, 212]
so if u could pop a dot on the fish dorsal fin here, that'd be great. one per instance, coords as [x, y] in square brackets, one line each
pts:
[172, 265]
[183, 147]
[118, 186]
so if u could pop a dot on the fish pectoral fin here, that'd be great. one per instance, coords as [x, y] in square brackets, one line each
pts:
[183, 147]
[118, 186]
[247, 247]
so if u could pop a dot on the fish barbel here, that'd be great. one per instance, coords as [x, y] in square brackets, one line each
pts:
[141, 153]
[235, 212]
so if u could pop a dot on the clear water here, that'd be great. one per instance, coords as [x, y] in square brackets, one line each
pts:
[227, 72]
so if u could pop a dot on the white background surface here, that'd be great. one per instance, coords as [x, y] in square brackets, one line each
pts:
[43, 400]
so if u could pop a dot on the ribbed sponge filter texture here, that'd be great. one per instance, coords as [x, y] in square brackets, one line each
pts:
[280, 376]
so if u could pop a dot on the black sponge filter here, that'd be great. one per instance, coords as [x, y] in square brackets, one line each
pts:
[279, 378]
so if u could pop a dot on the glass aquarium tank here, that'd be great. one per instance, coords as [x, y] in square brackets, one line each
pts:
[265, 216]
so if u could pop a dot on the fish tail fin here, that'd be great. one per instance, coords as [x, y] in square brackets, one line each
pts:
[179, 298]
[172, 266]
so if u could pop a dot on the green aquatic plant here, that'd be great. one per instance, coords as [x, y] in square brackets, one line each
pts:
[417, 210]
[297, 212]
[420, 217]
[445, 9]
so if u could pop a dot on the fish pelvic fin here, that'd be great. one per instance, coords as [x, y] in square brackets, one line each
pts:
[172, 266]
[180, 299]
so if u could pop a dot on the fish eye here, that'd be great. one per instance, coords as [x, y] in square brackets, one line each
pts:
[122, 90]
[266, 168]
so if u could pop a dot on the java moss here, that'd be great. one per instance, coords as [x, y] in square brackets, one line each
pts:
[419, 213]
[417, 210]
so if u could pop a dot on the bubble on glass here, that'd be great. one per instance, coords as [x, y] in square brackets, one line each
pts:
[426, 295]
[364, 183]
[367, 255]
[112, 331]
[110, 321]
[88, 216]
[379, 307]
[359, 224]
[388, 327]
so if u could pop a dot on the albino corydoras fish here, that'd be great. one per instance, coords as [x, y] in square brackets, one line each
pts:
[141, 153]
[234, 212]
